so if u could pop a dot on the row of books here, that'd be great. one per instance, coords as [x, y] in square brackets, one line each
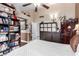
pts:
[14, 36]
[14, 22]
[14, 28]
[12, 44]
[4, 21]
[4, 29]
[6, 45]
[7, 21]
[3, 46]
[4, 41]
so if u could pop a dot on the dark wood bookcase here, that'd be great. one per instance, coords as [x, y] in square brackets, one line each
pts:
[5, 29]
[48, 31]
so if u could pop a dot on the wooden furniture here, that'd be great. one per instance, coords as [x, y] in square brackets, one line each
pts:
[48, 31]
[25, 36]
[67, 33]
[12, 32]
[15, 31]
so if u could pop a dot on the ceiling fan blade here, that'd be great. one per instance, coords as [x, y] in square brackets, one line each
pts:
[8, 5]
[29, 15]
[36, 9]
[45, 6]
[26, 14]
[26, 4]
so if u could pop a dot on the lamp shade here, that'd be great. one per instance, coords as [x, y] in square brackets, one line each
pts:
[69, 27]
[77, 27]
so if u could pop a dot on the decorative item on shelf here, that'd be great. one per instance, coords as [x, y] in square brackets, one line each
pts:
[14, 16]
[6, 29]
[6, 21]
[17, 36]
[11, 22]
[4, 46]
[3, 37]
[11, 27]
[11, 44]
[16, 43]
[1, 30]
[16, 28]
[12, 36]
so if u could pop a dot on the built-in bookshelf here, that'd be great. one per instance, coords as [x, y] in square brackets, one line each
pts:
[9, 34]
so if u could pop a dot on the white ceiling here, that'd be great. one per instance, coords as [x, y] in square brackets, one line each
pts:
[29, 8]
[21, 8]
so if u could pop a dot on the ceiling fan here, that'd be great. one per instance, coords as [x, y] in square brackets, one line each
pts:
[36, 6]
[27, 14]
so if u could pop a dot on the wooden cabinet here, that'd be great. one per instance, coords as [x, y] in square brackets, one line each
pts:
[67, 33]
[49, 32]
[25, 37]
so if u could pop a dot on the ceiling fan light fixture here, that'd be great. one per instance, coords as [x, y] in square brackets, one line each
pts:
[36, 4]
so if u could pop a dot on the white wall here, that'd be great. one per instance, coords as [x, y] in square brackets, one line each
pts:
[35, 31]
[67, 9]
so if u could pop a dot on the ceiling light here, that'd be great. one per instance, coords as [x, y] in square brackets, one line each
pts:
[36, 4]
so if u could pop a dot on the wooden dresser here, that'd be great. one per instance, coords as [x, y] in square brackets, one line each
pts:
[25, 36]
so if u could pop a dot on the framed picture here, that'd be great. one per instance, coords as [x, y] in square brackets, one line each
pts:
[23, 24]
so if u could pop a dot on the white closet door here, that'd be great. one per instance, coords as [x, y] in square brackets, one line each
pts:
[35, 31]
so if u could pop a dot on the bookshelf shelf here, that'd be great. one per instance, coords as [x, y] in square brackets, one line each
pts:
[3, 32]
[3, 17]
[13, 31]
[4, 50]
[4, 24]
[14, 46]
[3, 41]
